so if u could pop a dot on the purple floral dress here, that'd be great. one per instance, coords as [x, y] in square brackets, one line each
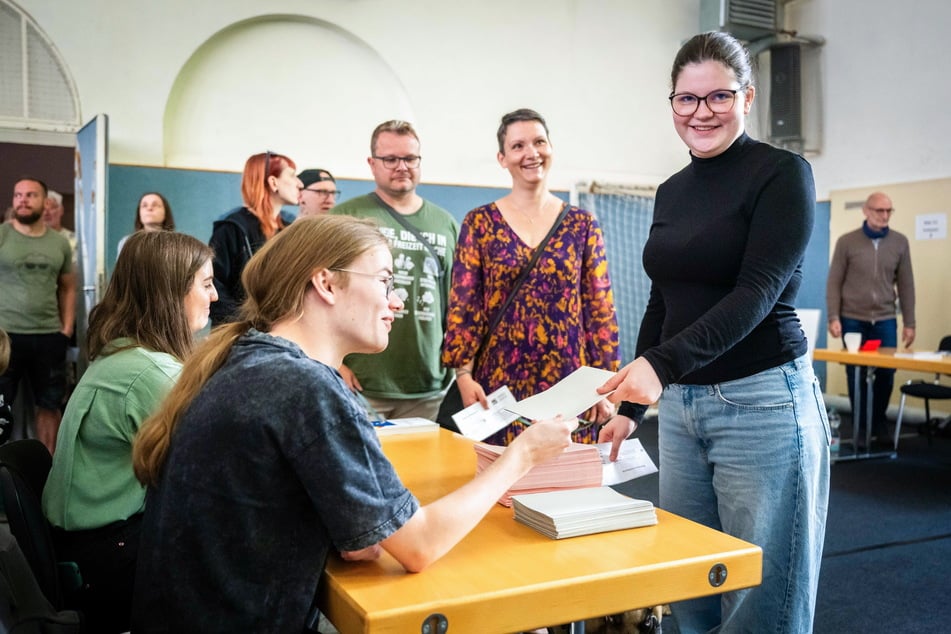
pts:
[563, 317]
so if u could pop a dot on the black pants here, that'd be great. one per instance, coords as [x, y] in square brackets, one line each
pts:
[106, 557]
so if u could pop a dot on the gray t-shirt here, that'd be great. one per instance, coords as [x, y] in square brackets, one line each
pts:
[30, 268]
[273, 464]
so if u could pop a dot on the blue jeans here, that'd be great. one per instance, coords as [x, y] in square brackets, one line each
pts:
[751, 458]
[887, 331]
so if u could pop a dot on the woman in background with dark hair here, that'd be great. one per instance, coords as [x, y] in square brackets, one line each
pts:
[153, 213]
[139, 334]
[268, 183]
[744, 440]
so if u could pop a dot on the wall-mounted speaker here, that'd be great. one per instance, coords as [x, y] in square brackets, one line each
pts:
[785, 92]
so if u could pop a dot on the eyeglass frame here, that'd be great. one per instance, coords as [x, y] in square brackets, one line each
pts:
[882, 210]
[326, 193]
[388, 280]
[396, 160]
[267, 163]
[703, 99]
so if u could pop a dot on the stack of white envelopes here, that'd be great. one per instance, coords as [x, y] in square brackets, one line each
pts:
[578, 466]
[569, 513]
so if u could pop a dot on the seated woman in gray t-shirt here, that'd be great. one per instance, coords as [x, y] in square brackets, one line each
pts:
[262, 460]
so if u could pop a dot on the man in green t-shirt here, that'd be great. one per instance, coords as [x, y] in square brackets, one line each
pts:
[37, 305]
[407, 378]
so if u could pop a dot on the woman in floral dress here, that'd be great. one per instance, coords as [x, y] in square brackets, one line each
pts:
[563, 316]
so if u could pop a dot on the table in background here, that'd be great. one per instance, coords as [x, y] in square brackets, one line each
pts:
[881, 358]
[506, 577]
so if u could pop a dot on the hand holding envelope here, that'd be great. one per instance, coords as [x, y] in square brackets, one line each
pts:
[637, 382]
[571, 396]
[568, 398]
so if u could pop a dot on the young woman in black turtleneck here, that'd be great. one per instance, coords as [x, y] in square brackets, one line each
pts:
[742, 425]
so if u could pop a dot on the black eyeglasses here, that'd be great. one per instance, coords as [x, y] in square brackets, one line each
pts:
[267, 163]
[390, 162]
[718, 101]
[388, 280]
[324, 193]
[882, 210]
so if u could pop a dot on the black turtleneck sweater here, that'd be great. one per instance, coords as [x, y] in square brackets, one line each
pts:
[725, 260]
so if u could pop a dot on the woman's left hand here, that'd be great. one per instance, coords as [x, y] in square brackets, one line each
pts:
[616, 431]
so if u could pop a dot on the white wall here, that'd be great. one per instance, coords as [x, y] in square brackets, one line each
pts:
[597, 69]
[886, 93]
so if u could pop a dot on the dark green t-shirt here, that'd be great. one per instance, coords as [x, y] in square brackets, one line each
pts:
[409, 367]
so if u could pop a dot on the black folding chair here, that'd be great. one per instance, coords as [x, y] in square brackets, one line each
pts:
[927, 390]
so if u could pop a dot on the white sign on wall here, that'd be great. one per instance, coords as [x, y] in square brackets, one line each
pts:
[931, 227]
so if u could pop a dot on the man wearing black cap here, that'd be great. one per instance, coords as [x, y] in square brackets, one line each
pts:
[319, 193]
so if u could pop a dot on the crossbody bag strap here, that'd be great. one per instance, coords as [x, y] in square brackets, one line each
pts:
[398, 217]
[520, 280]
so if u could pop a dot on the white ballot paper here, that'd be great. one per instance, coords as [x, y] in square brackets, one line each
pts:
[570, 397]
[478, 423]
[632, 462]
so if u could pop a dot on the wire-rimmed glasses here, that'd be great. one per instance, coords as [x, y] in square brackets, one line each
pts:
[323, 193]
[388, 280]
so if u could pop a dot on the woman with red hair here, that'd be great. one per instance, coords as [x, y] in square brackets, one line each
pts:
[269, 182]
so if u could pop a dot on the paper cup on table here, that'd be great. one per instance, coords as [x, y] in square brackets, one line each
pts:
[852, 341]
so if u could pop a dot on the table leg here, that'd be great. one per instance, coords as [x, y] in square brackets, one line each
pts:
[856, 414]
[869, 397]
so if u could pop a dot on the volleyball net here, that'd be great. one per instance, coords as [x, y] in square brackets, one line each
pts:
[625, 213]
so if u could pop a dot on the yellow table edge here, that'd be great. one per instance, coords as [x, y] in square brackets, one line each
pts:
[506, 577]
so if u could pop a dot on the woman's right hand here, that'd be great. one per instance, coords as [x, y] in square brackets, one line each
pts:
[637, 382]
[471, 391]
[835, 328]
[544, 439]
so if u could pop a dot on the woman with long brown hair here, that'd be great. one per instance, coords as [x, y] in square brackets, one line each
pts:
[262, 460]
[139, 334]
[268, 183]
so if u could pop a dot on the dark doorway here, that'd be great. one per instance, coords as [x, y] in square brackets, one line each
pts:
[54, 165]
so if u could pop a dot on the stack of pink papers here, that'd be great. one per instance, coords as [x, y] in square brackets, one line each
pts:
[577, 467]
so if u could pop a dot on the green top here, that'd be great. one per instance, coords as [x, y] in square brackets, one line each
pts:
[409, 368]
[91, 483]
[30, 268]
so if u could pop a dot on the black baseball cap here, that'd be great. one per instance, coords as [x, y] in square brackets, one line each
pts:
[309, 177]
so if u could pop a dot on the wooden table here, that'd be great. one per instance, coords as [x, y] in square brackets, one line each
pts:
[882, 358]
[885, 358]
[506, 577]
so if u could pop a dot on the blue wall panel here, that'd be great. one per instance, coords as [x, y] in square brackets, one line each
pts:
[199, 197]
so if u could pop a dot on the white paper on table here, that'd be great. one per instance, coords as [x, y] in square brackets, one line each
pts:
[928, 356]
[570, 397]
[632, 462]
[478, 423]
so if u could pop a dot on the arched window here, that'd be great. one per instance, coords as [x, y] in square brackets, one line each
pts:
[38, 92]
